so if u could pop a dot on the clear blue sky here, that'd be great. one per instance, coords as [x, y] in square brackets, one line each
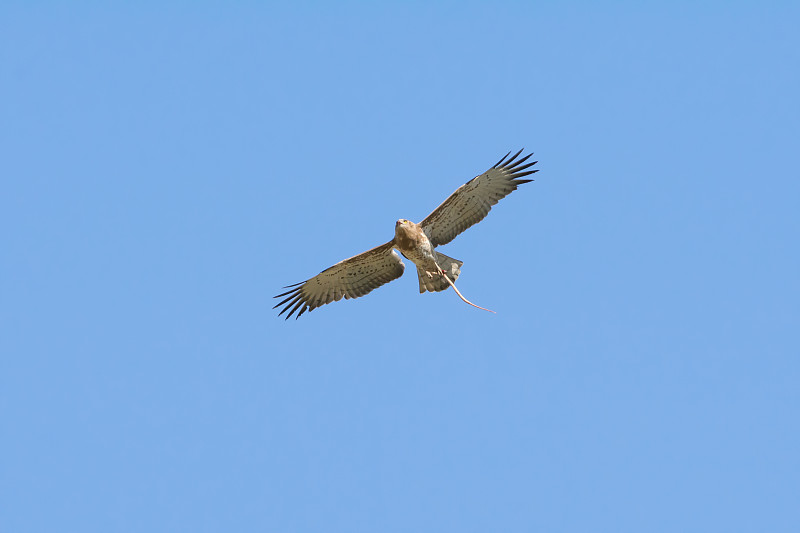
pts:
[166, 170]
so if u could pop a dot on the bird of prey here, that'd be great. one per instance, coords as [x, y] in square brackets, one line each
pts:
[362, 273]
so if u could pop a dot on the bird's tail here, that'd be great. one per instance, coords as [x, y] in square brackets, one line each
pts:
[437, 283]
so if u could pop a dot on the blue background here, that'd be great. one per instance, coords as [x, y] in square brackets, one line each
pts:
[167, 169]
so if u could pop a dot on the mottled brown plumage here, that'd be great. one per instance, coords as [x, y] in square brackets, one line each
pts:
[360, 274]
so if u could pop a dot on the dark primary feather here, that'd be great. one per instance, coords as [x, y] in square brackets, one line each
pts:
[471, 202]
[350, 278]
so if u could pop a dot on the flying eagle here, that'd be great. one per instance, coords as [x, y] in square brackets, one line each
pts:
[360, 274]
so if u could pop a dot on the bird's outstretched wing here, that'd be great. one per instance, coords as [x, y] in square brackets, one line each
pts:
[350, 278]
[472, 201]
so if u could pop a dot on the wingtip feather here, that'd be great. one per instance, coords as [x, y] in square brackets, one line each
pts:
[501, 160]
[514, 157]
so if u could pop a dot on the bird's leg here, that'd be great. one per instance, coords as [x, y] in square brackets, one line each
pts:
[444, 274]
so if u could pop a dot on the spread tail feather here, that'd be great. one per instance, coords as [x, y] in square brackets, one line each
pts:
[437, 283]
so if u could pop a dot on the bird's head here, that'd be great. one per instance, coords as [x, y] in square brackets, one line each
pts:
[403, 227]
